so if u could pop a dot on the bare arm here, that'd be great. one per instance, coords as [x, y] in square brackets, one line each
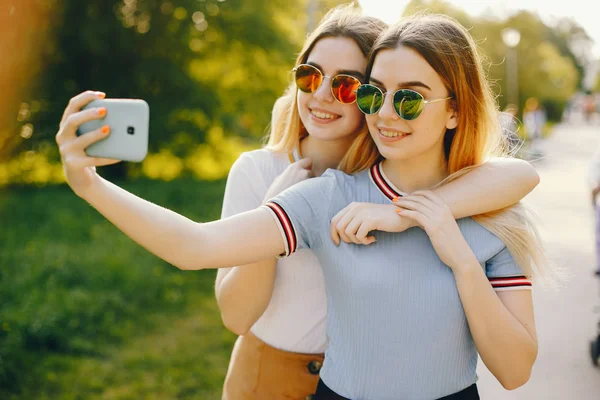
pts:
[241, 239]
[243, 294]
[497, 184]
[502, 325]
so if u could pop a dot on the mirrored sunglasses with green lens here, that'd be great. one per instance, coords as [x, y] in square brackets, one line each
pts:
[408, 104]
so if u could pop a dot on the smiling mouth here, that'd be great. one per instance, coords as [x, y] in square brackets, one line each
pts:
[323, 114]
[393, 134]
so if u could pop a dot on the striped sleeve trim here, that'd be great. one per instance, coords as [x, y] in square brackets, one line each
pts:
[511, 283]
[285, 226]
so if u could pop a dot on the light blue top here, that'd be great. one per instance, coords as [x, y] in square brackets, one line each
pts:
[396, 327]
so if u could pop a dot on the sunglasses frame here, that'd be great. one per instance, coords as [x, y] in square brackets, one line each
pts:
[384, 94]
[323, 76]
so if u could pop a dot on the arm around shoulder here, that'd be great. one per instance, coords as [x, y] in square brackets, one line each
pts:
[496, 184]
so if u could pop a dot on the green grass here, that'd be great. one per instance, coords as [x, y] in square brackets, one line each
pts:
[85, 313]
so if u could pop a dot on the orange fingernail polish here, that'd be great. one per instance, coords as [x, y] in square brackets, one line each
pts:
[101, 94]
[105, 129]
[102, 111]
[395, 199]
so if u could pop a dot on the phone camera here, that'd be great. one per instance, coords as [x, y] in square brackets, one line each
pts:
[130, 130]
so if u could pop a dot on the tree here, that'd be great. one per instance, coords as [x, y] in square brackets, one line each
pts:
[199, 64]
[21, 63]
[547, 63]
[572, 41]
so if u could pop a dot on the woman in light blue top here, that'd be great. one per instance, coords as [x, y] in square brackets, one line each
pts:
[407, 311]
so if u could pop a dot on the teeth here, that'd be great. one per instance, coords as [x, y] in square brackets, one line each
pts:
[322, 115]
[392, 134]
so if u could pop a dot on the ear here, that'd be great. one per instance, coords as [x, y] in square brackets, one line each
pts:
[452, 115]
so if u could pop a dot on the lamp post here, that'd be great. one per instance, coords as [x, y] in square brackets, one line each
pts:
[511, 38]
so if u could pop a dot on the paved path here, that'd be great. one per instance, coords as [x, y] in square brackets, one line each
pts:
[567, 316]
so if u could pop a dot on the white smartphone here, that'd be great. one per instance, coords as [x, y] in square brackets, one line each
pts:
[129, 122]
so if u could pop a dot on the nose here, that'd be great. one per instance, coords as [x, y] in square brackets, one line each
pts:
[387, 109]
[323, 92]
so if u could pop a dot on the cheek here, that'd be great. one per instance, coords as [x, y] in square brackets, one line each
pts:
[429, 133]
[302, 104]
[371, 121]
[301, 99]
[430, 124]
[354, 116]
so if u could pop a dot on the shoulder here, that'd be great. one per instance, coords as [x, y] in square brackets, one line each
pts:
[260, 161]
[345, 182]
[262, 157]
[317, 191]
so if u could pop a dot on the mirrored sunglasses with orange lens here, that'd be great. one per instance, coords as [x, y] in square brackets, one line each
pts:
[343, 87]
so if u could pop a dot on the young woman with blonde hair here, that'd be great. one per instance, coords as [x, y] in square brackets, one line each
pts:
[278, 307]
[407, 312]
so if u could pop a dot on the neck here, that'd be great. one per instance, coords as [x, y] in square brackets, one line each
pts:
[324, 153]
[418, 173]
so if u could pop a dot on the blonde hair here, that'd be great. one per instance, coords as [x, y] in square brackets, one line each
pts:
[449, 48]
[343, 21]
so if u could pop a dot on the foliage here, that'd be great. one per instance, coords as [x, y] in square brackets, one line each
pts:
[550, 60]
[74, 286]
[200, 65]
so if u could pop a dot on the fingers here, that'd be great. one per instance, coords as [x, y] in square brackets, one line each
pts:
[415, 204]
[69, 126]
[76, 162]
[79, 144]
[352, 225]
[362, 233]
[305, 163]
[333, 231]
[343, 224]
[334, 234]
[339, 223]
[352, 228]
[83, 141]
[415, 216]
[431, 196]
[102, 162]
[82, 99]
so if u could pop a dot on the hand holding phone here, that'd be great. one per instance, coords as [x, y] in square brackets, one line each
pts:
[128, 120]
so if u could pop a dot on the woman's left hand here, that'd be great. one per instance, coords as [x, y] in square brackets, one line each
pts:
[355, 221]
[429, 212]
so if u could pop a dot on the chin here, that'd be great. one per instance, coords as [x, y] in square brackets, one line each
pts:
[398, 154]
[330, 133]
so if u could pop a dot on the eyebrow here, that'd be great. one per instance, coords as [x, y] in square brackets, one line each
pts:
[351, 72]
[403, 84]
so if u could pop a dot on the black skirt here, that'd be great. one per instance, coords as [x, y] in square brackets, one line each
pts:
[324, 393]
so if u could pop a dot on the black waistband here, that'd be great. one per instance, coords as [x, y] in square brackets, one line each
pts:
[324, 393]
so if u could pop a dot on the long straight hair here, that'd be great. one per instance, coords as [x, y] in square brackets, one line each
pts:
[344, 21]
[449, 48]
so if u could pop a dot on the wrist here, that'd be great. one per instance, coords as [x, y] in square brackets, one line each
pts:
[465, 263]
[87, 192]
